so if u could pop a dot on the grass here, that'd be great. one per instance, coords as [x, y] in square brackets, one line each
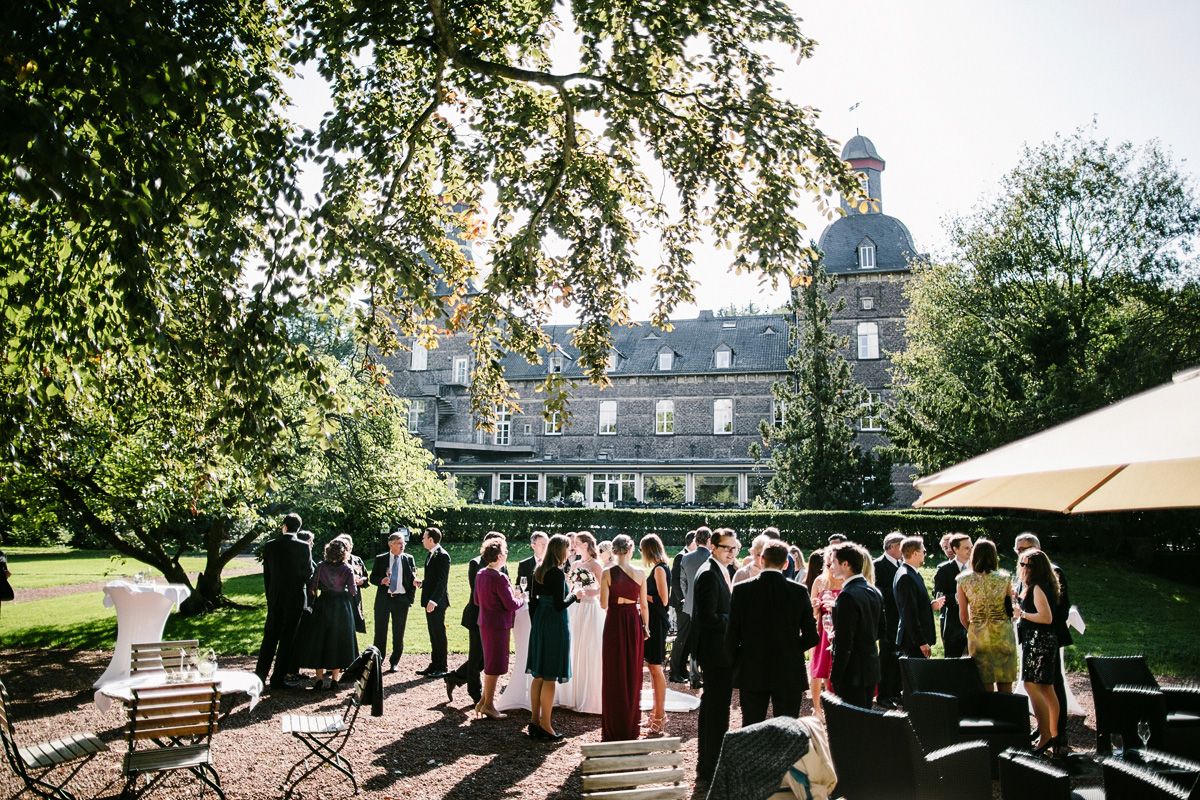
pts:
[1127, 611]
[40, 567]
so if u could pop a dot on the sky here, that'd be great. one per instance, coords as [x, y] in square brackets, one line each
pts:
[950, 92]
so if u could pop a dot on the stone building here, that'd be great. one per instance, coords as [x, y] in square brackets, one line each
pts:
[684, 406]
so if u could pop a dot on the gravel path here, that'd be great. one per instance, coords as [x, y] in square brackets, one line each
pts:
[421, 749]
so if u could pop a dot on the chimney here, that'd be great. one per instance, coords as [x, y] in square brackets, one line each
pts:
[706, 314]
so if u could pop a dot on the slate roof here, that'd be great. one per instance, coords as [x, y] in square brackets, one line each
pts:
[860, 147]
[755, 349]
[894, 246]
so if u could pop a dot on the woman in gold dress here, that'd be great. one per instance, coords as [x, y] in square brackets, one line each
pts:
[984, 607]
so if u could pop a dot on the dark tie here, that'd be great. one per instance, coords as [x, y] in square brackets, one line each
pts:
[394, 586]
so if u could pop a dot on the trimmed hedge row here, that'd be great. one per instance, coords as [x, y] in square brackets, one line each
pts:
[1138, 534]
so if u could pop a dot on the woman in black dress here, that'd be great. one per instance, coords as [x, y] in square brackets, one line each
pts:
[654, 557]
[326, 637]
[1039, 644]
[549, 660]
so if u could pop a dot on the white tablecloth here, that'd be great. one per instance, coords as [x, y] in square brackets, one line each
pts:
[229, 681]
[142, 611]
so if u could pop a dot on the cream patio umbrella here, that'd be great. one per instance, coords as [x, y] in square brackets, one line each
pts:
[1143, 452]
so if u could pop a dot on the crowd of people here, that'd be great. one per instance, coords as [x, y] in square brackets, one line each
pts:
[586, 617]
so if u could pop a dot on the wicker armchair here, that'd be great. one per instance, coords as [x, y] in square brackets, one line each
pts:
[1125, 692]
[948, 705]
[1024, 776]
[877, 754]
[1151, 775]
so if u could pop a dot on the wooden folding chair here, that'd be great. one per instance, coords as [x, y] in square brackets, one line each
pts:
[178, 722]
[634, 770]
[33, 763]
[157, 656]
[325, 735]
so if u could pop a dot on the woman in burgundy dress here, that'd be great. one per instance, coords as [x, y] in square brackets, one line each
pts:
[626, 626]
[497, 607]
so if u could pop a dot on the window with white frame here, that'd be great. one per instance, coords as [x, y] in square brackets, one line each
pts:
[614, 361]
[778, 409]
[722, 357]
[723, 415]
[462, 370]
[420, 357]
[518, 487]
[608, 418]
[866, 303]
[553, 424]
[415, 409]
[503, 433]
[613, 487]
[666, 360]
[556, 362]
[866, 255]
[868, 340]
[872, 413]
[664, 417]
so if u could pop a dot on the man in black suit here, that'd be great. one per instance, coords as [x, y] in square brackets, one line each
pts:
[394, 572]
[915, 633]
[945, 582]
[710, 618]
[435, 599]
[1028, 541]
[468, 671]
[857, 618]
[525, 567]
[676, 601]
[683, 654]
[886, 567]
[771, 625]
[287, 566]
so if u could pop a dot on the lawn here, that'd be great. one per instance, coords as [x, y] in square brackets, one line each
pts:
[1127, 611]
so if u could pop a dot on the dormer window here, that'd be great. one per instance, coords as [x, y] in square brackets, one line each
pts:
[614, 361]
[728, 323]
[866, 254]
[666, 360]
[556, 363]
[722, 357]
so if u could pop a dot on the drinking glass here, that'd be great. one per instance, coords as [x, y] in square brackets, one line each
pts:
[206, 664]
[521, 583]
[1143, 731]
[1118, 744]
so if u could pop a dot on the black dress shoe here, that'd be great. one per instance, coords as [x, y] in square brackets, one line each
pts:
[538, 733]
[438, 673]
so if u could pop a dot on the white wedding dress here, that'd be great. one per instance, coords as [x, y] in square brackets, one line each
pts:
[582, 692]
[516, 693]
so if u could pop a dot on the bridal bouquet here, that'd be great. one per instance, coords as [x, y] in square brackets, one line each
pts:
[582, 577]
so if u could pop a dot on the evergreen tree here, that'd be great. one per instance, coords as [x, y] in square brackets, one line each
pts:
[812, 449]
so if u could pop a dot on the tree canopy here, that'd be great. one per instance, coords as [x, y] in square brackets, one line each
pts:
[1077, 286]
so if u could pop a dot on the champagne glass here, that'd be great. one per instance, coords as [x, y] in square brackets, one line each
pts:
[1143, 731]
[521, 583]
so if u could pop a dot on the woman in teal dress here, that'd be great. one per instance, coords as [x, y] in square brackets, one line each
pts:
[549, 660]
[985, 609]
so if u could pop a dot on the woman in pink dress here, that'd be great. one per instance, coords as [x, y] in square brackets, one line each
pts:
[497, 609]
[626, 626]
[825, 590]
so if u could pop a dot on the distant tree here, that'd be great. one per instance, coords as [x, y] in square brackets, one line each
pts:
[734, 310]
[1076, 287]
[813, 453]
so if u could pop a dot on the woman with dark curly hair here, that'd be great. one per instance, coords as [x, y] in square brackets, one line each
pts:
[1039, 651]
[327, 641]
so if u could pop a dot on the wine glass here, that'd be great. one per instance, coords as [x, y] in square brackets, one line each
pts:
[1143, 731]
[521, 583]
[206, 662]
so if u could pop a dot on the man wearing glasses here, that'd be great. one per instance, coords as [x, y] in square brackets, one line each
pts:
[710, 620]
[1028, 541]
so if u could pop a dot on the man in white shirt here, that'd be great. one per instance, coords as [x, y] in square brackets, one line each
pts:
[393, 572]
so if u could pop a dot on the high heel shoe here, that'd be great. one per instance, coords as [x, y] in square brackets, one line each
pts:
[487, 711]
[657, 724]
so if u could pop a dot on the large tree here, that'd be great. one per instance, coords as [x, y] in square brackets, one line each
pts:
[811, 447]
[1075, 287]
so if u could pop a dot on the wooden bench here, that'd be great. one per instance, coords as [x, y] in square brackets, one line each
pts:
[643, 769]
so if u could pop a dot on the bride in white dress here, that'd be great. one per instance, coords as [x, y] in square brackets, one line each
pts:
[582, 692]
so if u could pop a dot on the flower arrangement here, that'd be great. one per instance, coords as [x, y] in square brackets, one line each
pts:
[582, 577]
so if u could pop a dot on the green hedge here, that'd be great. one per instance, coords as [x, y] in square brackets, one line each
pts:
[1141, 535]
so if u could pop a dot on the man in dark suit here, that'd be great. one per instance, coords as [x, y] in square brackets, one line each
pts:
[886, 567]
[857, 618]
[435, 599]
[394, 572]
[525, 567]
[915, 633]
[287, 566]
[468, 671]
[771, 625]
[1028, 541]
[676, 601]
[945, 582]
[710, 618]
[683, 653]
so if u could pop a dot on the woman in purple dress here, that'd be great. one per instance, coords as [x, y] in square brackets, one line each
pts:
[497, 608]
[326, 637]
[626, 626]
